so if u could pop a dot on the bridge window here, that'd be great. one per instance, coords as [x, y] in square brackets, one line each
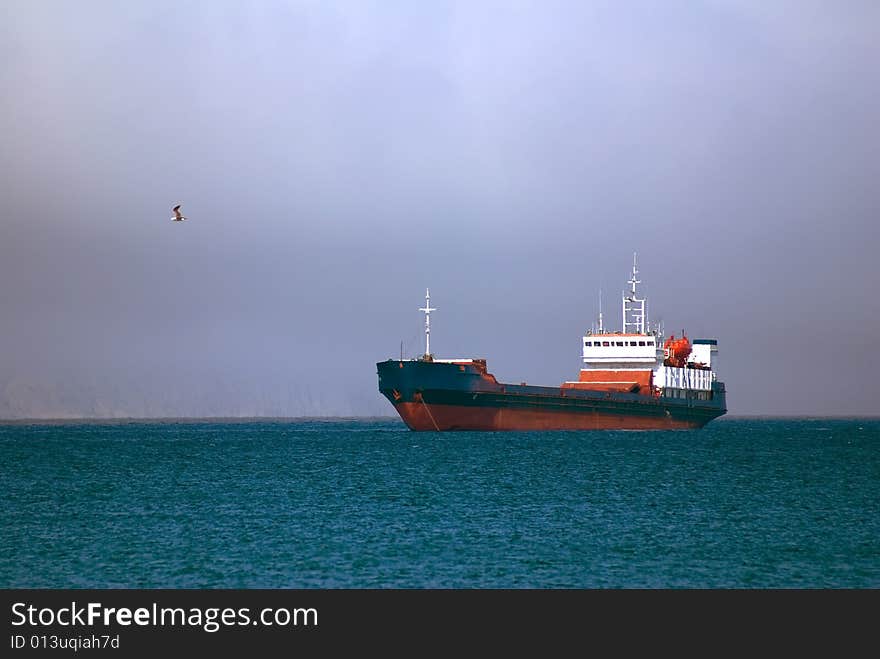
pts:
[620, 343]
[641, 343]
[606, 343]
[650, 343]
[589, 344]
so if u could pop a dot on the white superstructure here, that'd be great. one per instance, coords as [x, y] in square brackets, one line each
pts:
[637, 359]
[616, 350]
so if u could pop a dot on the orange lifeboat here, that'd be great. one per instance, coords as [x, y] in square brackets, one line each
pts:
[676, 351]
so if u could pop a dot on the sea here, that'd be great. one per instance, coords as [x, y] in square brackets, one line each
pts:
[365, 503]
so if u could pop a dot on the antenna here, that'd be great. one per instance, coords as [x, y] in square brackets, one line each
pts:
[635, 273]
[427, 310]
[601, 329]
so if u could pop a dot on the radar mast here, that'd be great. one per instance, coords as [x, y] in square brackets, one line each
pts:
[634, 317]
[427, 311]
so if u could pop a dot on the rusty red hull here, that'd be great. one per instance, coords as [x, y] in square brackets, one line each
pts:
[423, 416]
[464, 396]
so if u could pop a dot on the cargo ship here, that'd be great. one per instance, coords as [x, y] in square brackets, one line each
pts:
[633, 379]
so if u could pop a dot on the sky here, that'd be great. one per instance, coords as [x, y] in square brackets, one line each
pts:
[335, 159]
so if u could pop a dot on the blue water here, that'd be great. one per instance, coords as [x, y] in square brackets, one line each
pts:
[366, 503]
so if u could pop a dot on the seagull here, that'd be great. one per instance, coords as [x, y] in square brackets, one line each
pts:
[177, 216]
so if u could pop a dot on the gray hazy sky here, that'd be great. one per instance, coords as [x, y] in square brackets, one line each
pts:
[335, 158]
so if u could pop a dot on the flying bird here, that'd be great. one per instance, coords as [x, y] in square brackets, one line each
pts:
[177, 216]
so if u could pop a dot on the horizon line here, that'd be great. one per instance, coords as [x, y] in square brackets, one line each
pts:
[242, 419]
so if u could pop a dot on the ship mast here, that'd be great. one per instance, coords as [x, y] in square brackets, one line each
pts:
[634, 307]
[601, 329]
[427, 310]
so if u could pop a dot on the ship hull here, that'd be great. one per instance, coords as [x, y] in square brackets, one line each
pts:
[462, 396]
